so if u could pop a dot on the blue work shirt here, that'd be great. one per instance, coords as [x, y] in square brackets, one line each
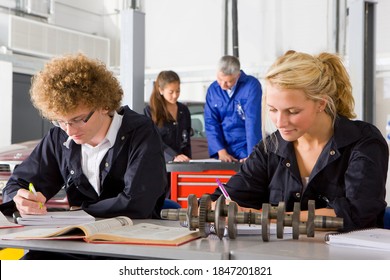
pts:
[234, 123]
[349, 175]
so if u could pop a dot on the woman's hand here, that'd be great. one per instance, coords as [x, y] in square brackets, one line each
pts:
[181, 158]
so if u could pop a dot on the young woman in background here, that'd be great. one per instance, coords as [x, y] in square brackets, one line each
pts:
[171, 117]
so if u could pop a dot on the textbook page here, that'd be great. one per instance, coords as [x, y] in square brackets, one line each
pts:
[145, 233]
[70, 232]
[374, 238]
[118, 230]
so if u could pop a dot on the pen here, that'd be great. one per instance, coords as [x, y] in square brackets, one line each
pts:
[324, 198]
[16, 216]
[32, 189]
[223, 190]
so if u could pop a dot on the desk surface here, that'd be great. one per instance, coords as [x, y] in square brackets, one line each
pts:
[244, 247]
[201, 249]
[306, 248]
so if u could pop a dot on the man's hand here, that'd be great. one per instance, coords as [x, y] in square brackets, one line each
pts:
[223, 155]
[28, 203]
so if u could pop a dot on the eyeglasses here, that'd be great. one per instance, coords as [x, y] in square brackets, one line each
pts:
[77, 123]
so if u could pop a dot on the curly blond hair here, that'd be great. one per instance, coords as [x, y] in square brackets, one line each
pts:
[69, 81]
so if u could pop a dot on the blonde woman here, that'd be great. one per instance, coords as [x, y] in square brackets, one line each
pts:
[317, 152]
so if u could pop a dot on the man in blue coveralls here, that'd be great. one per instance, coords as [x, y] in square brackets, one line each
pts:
[233, 112]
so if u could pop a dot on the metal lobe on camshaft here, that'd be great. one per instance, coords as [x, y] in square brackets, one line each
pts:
[232, 220]
[204, 209]
[220, 214]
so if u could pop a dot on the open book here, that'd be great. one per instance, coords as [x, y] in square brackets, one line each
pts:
[374, 238]
[114, 230]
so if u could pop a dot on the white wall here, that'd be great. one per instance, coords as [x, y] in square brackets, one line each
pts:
[6, 102]
[183, 33]
[383, 24]
[382, 94]
[187, 36]
[85, 15]
[189, 33]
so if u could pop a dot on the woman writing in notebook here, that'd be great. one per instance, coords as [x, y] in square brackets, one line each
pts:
[171, 117]
[317, 152]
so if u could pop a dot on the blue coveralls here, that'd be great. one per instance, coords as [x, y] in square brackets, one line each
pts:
[234, 123]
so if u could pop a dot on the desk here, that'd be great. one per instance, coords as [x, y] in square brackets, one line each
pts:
[306, 248]
[244, 247]
[200, 249]
[197, 178]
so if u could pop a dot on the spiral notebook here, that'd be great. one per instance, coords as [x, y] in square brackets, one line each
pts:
[373, 238]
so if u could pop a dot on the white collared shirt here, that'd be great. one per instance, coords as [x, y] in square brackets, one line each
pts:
[231, 90]
[91, 157]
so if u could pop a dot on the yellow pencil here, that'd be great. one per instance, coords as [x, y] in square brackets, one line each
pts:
[32, 189]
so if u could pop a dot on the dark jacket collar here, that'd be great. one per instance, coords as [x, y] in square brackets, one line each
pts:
[131, 120]
[345, 132]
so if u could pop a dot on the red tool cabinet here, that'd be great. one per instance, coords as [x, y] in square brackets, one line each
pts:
[198, 178]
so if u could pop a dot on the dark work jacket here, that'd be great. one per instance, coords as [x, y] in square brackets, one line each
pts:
[132, 173]
[350, 173]
[175, 135]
